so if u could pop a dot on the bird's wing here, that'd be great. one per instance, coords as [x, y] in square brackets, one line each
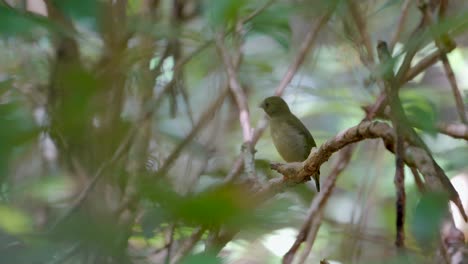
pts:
[296, 122]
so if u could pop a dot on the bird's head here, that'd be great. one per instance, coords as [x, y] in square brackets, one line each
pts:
[274, 106]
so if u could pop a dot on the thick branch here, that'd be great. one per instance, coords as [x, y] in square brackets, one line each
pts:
[414, 156]
[454, 130]
[397, 116]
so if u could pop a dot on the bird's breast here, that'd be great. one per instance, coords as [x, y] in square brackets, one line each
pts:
[289, 142]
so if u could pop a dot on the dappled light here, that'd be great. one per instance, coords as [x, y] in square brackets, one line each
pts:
[233, 131]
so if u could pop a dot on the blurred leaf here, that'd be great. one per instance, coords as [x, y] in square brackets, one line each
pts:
[97, 230]
[14, 221]
[172, 133]
[5, 85]
[152, 218]
[19, 129]
[420, 111]
[224, 205]
[387, 4]
[202, 258]
[78, 9]
[52, 189]
[274, 22]
[427, 219]
[454, 159]
[223, 12]
[228, 205]
[13, 22]
[74, 88]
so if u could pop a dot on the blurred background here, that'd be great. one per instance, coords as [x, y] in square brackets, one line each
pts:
[118, 128]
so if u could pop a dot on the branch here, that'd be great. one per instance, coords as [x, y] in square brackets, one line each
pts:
[207, 115]
[310, 226]
[418, 180]
[454, 130]
[401, 24]
[312, 234]
[92, 183]
[237, 90]
[453, 241]
[188, 245]
[456, 92]
[402, 77]
[397, 116]
[412, 46]
[439, 41]
[414, 156]
[424, 64]
[361, 26]
[307, 44]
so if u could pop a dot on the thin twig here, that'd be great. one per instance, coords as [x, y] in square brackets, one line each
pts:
[242, 105]
[170, 243]
[456, 92]
[306, 45]
[188, 245]
[237, 90]
[417, 179]
[361, 26]
[89, 187]
[319, 201]
[423, 64]
[207, 115]
[312, 234]
[412, 46]
[208, 43]
[448, 69]
[400, 25]
[453, 130]
[256, 12]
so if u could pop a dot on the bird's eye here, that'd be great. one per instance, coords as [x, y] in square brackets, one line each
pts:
[267, 104]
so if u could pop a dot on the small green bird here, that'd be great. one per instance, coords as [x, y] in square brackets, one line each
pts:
[291, 138]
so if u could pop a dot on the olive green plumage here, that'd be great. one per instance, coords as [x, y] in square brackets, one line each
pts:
[292, 139]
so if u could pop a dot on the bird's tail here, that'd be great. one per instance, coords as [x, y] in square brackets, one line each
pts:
[317, 181]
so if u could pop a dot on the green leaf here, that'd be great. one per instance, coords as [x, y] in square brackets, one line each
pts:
[14, 221]
[202, 258]
[87, 11]
[420, 111]
[18, 128]
[223, 12]
[274, 22]
[427, 219]
[152, 218]
[78, 8]
[13, 22]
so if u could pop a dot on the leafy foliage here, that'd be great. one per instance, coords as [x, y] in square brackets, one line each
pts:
[96, 90]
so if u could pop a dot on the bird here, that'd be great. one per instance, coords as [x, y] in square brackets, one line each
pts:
[291, 138]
